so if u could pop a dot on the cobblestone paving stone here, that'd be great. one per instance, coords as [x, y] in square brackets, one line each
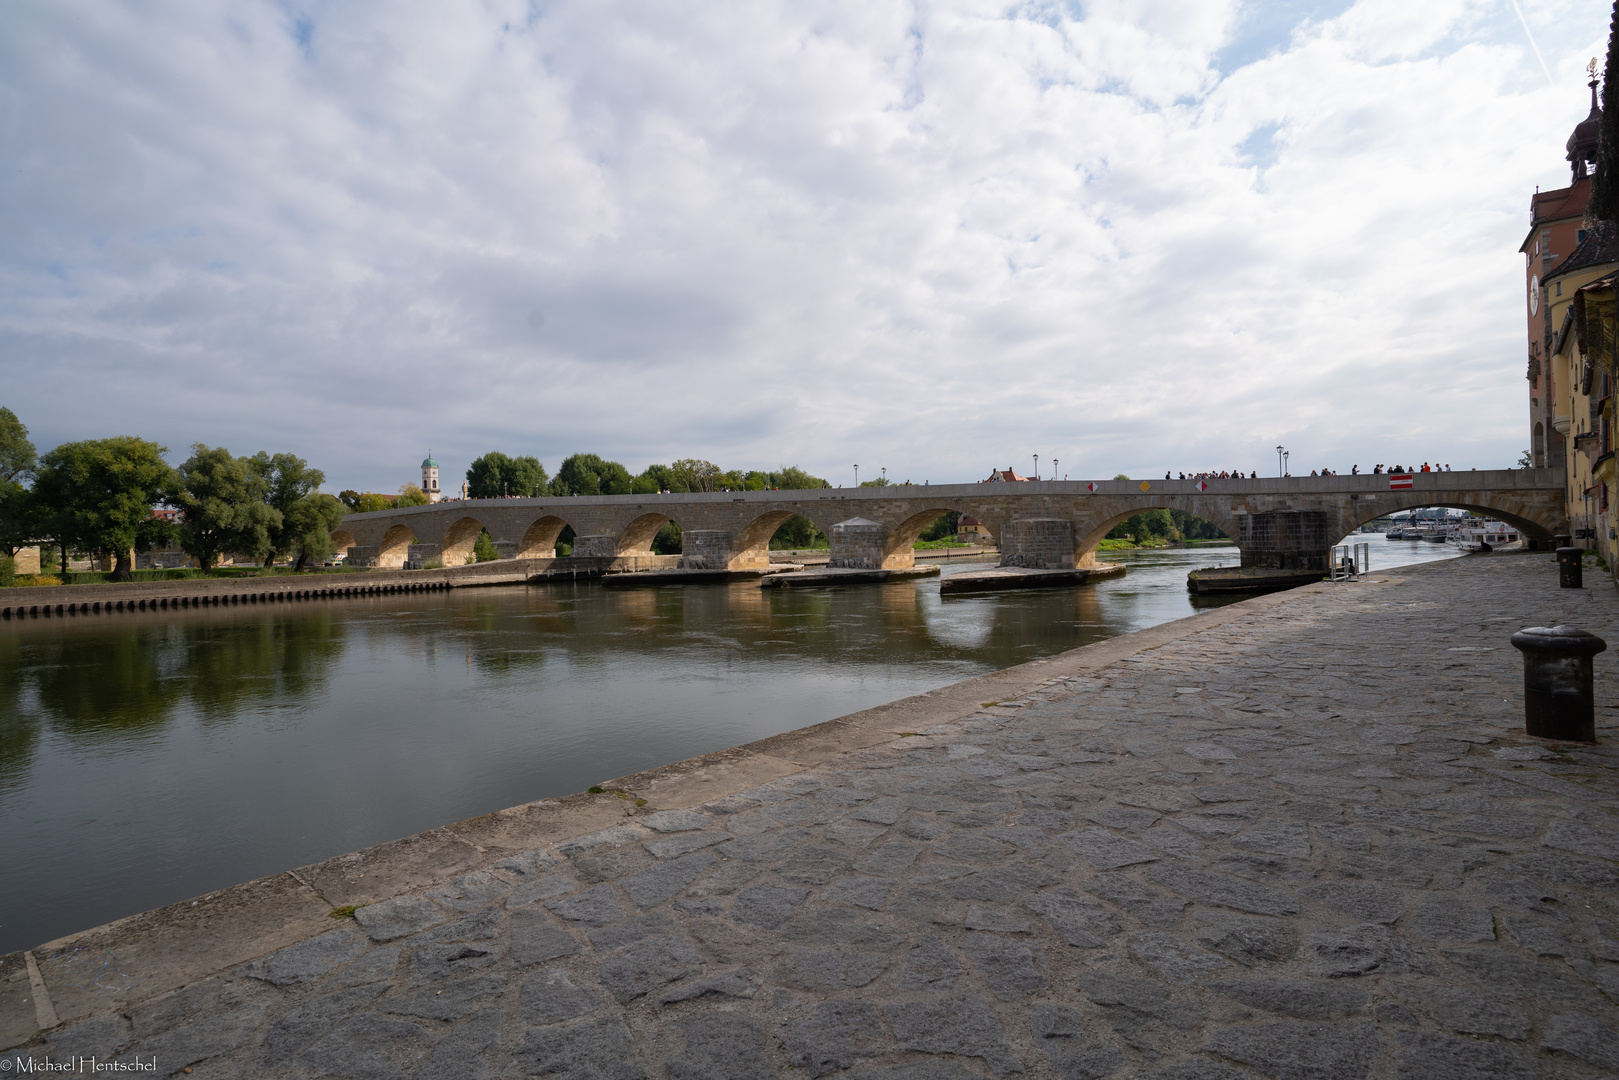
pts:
[1311, 843]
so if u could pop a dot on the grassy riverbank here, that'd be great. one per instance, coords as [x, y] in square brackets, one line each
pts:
[1135, 545]
[229, 573]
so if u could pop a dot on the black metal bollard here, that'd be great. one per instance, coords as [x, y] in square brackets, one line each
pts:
[1570, 574]
[1561, 540]
[1558, 702]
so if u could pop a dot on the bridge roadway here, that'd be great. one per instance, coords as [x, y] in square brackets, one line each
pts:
[1279, 522]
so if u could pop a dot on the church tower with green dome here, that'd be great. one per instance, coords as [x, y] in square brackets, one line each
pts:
[430, 478]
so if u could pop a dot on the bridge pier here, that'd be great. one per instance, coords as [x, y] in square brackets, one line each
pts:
[600, 546]
[506, 549]
[363, 555]
[1286, 539]
[715, 549]
[1038, 543]
[862, 544]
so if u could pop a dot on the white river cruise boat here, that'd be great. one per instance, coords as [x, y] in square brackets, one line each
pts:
[1483, 536]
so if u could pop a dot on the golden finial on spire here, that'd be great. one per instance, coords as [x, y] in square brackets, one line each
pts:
[1591, 68]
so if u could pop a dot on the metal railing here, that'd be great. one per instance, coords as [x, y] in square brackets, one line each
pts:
[1348, 562]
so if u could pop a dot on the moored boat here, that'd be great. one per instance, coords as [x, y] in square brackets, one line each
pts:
[1484, 536]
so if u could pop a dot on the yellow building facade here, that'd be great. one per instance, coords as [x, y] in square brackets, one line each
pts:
[1570, 265]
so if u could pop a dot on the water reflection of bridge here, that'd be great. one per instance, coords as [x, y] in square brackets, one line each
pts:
[1286, 522]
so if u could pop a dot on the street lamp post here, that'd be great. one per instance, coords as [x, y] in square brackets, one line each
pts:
[1286, 455]
[857, 476]
[1037, 466]
[885, 475]
[1054, 464]
[1280, 468]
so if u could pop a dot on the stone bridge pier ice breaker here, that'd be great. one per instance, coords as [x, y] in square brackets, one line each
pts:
[1286, 523]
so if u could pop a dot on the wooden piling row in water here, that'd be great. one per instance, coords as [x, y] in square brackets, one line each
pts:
[218, 599]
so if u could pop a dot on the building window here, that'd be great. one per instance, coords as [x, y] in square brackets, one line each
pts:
[1559, 288]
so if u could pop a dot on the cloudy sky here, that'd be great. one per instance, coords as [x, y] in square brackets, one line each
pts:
[934, 237]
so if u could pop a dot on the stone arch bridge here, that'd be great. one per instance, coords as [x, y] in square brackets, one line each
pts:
[1282, 522]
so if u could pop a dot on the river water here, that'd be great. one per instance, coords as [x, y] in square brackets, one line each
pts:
[146, 758]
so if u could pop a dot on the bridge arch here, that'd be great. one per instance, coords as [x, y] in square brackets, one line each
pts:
[902, 537]
[1484, 504]
[752, 544]
[1085, 543]
[342, 540]
[636, 537]
[540, 538]
[394, 548]
[459, 539]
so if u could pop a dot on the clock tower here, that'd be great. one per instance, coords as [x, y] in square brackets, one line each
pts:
[430, 478]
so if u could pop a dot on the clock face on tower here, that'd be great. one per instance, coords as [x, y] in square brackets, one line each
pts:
[1534, 294]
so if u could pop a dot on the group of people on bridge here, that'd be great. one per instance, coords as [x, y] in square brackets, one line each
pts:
[1236, 474]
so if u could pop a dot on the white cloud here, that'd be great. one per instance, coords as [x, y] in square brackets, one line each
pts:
[939, 237]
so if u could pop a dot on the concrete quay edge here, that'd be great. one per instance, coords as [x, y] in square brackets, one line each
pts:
[183, 942]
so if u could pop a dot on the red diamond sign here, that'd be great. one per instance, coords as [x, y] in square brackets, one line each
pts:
[1091, 487]
[1202, 485]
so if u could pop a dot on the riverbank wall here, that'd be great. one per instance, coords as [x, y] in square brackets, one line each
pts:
[111, 597]
[138, 595]
[1304, 826]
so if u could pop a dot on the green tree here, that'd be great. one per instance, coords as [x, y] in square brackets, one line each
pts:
[798, 531]
[483, 548]
[792, 478]
[98, 496]
[17, 456]
[656, 478]
[693, 474]
[588, 474]
[495, 475]
[881, 481]
[371, 501]
[1192, 527]
[410, 495]
[942, 527]
[1145, 527]
[288, 481]
[668, 540]
[310, 521]
[19, 518]
[223, 499]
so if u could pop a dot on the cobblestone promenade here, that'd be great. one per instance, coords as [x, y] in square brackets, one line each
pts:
[1310, 842]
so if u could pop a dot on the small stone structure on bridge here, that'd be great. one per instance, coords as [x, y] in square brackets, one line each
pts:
[1285, 523]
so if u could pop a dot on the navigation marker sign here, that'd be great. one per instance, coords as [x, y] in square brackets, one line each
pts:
[1398, 482]
[1091, 487]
